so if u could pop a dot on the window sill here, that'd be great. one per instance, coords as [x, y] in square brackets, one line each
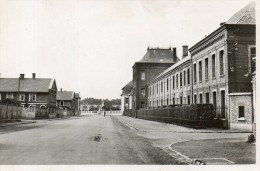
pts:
[241, 119]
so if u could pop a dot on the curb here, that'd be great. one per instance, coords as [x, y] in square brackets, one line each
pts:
[143, 130]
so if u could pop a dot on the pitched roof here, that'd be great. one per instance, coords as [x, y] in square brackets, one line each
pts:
[26, 84]
[65, 95]
[172, 67]
[127, 88]
[158, 56]
[244, 16]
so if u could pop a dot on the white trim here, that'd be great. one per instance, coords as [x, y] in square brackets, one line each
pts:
[0, 96]
[51, 83]
[221, 89]
[214, 90]
[240, 94]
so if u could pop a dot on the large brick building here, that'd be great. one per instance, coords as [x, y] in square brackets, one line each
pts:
[219, 71]
[222, 65]
[154, 62]
[173, 86]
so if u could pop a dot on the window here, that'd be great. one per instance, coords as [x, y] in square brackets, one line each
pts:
[32, 97]
[177, 81]
[195, 99]
[9, 95]
[157, 103]
[161, 102]
[62, 103]
[188, 76]
[173, 82]
[184, 78]
[180, 79]
[173, 101]
[221, 62]
[206, 68]
[143, 91]
[195, 73]
[207, 98]
[222, 104]
[153, 89]
[142, 104]
[21, 97]
[167, 102]
[188, 100]
[201, 100]
[214, 99]
[213, 66]
[167, 86]
[180, 99]
[252, 58]
[241, 111]
[143, 75]
[200, 71]
[157, 88]
[161, 86]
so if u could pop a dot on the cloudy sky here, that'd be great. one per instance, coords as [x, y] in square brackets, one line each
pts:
[90, 46]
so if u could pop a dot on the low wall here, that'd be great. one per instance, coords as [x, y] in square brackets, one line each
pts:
[34, 113]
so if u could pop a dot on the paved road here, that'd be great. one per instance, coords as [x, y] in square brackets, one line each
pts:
[84, 140]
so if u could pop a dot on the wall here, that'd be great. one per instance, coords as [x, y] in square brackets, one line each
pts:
[236, 100]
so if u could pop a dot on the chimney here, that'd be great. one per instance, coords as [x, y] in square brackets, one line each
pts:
[33, 75]
[222, 23]
[185, 51]
[61, 89]
[21, 76]
[174, 55]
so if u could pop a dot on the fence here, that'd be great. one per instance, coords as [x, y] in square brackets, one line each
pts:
[129, 112]
[10, 112]
[196, 115]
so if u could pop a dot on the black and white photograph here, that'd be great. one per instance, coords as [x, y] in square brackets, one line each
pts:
[128, 84]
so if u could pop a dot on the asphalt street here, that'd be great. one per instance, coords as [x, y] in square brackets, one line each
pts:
[84, 140]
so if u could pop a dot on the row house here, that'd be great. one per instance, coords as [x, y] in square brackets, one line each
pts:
[222, 68]
[29, 92]
[154, 62]
[173, 86]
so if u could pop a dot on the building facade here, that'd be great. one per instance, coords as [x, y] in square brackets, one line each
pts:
[154, 62]
[173, 86]
[221, 68]
[29, 92]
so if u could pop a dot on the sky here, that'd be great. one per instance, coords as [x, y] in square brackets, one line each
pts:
[90, 46]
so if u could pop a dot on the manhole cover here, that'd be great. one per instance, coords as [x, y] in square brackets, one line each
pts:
[216, 161]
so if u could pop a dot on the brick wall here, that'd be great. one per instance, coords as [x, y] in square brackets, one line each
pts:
[236, 100]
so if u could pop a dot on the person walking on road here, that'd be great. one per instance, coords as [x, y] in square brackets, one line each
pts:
[104, 113]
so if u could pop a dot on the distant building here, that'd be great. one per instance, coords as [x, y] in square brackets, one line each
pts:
[126, 97]
[66, 99]
[30, 92]
[154, 62]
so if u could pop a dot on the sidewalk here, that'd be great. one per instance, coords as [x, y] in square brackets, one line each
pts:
[189, 145]
[152, 126]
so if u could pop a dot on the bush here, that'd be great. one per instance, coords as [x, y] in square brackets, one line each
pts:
[251, 138]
